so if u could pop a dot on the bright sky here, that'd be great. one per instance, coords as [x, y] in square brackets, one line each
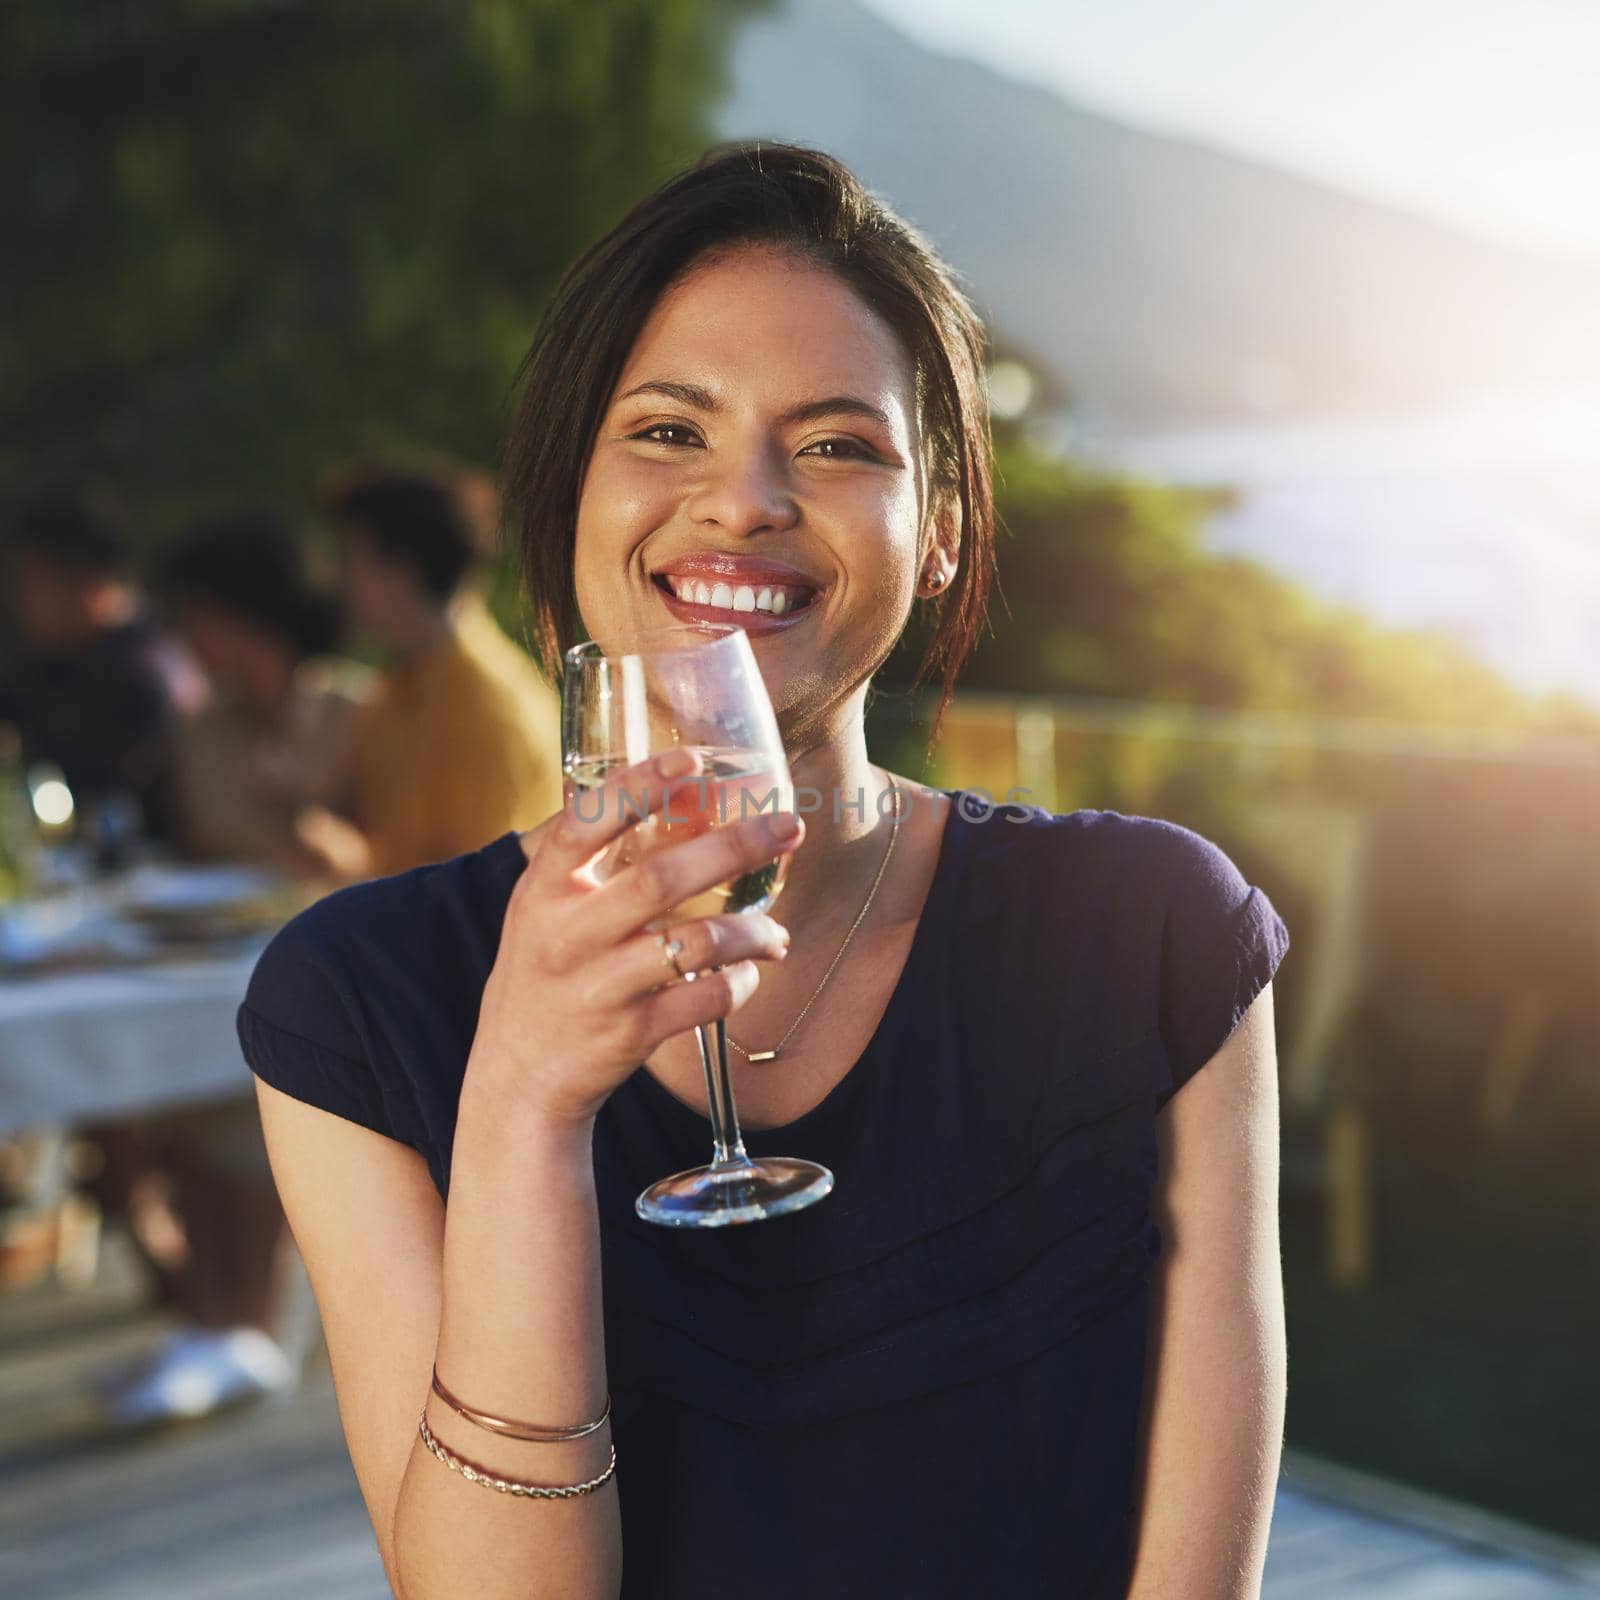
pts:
[1485, 111]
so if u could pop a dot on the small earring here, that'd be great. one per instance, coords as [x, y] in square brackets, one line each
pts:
[936, 581]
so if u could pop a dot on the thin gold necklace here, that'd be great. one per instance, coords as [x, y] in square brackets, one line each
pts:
[861, 916]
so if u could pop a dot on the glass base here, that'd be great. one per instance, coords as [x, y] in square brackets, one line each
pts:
[741, 1191]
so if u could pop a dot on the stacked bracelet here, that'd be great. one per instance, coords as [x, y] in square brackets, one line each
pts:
[532, 1491]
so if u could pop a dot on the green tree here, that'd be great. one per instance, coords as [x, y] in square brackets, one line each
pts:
[1108, 589]
[247, 238]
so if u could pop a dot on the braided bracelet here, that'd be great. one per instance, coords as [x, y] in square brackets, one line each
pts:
[532, 1491]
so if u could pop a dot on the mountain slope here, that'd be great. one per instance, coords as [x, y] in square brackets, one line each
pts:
[1161, 282]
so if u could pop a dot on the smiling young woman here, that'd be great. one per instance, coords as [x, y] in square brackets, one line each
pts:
[1034, 1341]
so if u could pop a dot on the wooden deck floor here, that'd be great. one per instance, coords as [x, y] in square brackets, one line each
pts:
[262, 1504]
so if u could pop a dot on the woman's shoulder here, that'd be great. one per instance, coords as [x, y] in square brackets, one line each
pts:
[414, 926]
[355, 999]
[1154, 917]
[1145, 862]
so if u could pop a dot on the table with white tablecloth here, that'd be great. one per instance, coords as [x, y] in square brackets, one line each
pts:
[118, 1041]
[83, 1051]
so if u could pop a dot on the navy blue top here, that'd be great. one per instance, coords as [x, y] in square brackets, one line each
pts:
[929, 1383]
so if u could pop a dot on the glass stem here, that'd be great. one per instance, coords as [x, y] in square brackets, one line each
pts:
[727, 1142]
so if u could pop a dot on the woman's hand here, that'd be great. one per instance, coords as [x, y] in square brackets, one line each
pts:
[330, 846]
[580, 992]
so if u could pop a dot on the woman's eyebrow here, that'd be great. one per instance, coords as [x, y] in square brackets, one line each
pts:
[836, 405]
[686, 394]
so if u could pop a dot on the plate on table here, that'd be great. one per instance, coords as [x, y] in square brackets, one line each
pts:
[63, 933]
[201, 904]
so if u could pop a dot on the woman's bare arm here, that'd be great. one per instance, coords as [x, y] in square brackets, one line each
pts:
[521, 1247]
[502, 1287]
[1216, 1372]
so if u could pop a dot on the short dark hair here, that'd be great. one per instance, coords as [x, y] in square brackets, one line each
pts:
[798, 200]
[251, 567]
[80, 531]
[417, 519]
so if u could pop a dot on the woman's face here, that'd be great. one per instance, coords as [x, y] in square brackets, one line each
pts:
[759, 463]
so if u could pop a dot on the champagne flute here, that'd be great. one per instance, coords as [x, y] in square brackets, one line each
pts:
[698, 685]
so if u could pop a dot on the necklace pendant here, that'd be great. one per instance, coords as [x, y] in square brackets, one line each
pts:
[761, 1055]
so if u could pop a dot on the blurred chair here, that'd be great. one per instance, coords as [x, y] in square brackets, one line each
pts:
[1322, 851]
[1513, 1052]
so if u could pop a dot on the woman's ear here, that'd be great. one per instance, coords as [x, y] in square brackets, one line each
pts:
[943, 555]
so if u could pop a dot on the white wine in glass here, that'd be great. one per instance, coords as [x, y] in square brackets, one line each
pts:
[697, 686]
[731, 785]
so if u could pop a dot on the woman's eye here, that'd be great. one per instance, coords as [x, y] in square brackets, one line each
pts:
[651, 434]
[839, 449]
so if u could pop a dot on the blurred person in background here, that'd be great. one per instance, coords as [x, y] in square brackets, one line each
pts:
[95, 686]
[263, 769]
[462, 741]
[259, 772]
[197, 1192]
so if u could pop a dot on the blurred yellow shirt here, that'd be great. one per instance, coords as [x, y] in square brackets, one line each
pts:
[457, 747]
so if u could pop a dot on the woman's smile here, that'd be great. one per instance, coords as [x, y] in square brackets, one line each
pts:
[761, 594]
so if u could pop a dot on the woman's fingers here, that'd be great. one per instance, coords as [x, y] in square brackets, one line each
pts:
[603, 985]
[640, 963]
[681, 1006]
[650, 888]
[592, 818]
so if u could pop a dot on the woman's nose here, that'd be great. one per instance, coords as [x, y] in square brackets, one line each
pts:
[743, 493]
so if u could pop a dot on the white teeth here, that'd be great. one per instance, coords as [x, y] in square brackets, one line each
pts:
[727, 597]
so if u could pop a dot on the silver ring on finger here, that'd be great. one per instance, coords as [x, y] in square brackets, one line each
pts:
[671, 949]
